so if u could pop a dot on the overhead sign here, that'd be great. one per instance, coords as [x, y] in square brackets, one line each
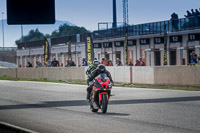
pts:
[174, 39]
[144, 41]
[158, 40]
[107, 44]
[194, 37]
[89, 49]
[131, 42]
[97, 45]
[119, 44]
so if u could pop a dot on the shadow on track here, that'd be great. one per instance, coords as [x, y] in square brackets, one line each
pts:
[113, 114]
[51, 104]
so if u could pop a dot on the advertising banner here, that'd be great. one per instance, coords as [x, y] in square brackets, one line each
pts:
[46, 52]
[89, 49]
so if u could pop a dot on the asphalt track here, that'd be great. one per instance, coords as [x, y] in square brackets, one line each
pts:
[62, 108]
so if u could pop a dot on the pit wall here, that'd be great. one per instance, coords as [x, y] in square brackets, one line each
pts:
[166, 75]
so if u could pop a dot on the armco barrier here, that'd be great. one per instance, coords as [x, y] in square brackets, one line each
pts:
[166, 75]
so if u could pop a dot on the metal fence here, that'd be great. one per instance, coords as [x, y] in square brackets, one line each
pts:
[8, 48]
[176, 25]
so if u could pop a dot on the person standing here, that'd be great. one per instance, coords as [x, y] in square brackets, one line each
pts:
[38, 64]
[55, 63]
[142, 62]
[119, 63]
[130, 63]
[104, 61]
[29, 64]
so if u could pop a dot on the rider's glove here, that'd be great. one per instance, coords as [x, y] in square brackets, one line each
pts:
[110, 85]
[91, 83]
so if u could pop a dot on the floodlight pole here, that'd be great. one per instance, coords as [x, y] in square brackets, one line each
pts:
[3, 28]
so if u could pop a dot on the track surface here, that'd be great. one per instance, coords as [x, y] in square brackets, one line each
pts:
[62, 108]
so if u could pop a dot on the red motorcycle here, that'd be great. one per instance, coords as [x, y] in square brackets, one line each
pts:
[100, 94]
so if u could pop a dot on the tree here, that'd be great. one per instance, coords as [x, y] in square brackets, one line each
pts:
[63, 30]
[66, 30]
[33, 35]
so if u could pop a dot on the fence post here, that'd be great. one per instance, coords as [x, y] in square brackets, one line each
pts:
[131, 75]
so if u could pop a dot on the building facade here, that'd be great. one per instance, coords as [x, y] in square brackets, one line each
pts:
[145, 41]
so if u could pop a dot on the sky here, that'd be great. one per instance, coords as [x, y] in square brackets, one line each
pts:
[88, 13]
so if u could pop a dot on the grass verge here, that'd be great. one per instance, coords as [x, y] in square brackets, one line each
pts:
[169, 87]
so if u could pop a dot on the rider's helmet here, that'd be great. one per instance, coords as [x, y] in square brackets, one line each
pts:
[96, 63]
[101, 68]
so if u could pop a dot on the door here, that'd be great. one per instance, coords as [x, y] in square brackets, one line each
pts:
[173, 57]
[157, 58]
[107, 56]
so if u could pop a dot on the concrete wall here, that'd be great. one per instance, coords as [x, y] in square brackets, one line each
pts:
[143, 75]
[8, 72]
[166, 75]
[30, 73]
[177, 75]
[120, 73]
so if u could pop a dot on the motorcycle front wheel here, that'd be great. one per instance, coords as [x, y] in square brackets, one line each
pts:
[104, 103]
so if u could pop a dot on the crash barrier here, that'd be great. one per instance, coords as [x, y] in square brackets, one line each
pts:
[162, 75]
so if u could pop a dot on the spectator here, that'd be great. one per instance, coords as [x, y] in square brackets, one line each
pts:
[119, 63]
[38, 64]
[130, 63]
[109, 63]
[196, 59]
[61, 65]
[193, 13]
[48, 63]
[193, 60]
[197, 22]
[29, 64]
[104, 61]
[197, 12]
[175, 21]
[142, 62]
[71, 62]
[137, 63]
[84, 63]
[188, 14]
[55, 63]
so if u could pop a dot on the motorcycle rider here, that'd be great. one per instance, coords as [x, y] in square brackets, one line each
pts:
[100, 69]
[92, 67]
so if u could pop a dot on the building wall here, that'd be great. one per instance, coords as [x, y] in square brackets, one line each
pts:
[146, 52]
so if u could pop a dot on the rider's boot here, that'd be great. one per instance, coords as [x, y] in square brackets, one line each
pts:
[88, 93]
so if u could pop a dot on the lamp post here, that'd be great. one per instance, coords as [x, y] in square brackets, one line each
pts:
[3, 28]
[22, 38]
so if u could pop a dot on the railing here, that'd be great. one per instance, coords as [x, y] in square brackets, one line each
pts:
[8, 48]
[182, 24]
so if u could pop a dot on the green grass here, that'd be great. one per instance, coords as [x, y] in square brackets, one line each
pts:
[169, 87]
